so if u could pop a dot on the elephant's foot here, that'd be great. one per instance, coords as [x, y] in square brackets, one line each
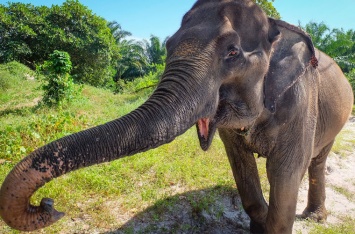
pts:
[256, 227]
[318, 215]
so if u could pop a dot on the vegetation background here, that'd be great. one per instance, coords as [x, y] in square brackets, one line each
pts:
[107, 75]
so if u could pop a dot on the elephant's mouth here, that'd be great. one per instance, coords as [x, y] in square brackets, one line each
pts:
[207, 128]
[205, 131]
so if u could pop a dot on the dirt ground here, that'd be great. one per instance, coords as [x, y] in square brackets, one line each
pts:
[226, 215]
[340, 175]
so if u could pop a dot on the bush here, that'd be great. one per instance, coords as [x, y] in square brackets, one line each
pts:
[138, 84]
[57, 84]
[351, 78]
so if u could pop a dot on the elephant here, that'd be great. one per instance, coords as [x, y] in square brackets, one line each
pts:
[258, 81]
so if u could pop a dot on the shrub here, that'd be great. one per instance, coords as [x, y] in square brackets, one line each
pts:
[351, 78]
[57, 84]
[138, 84]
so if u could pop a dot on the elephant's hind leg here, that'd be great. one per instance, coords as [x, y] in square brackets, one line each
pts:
[315, 209]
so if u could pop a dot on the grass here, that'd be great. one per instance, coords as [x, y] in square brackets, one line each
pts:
[344, 142]
[134, 183]
[346, 226]
[348, 194]
[93, 197]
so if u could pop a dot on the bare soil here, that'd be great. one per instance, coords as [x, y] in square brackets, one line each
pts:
[340, 187]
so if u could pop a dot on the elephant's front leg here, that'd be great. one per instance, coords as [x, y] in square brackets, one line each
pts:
[285, 171]
[247, 179]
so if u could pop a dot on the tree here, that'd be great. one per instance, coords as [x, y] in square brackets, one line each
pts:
[268, 7]
[337, 43]
[138, 58]
[156, 50]
[88, 40]
[320, 34]
[19, 24]
[117, 32]
[133, 62]
[342, 48]
[29, 34]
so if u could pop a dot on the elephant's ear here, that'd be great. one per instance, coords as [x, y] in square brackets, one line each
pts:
[292, 54]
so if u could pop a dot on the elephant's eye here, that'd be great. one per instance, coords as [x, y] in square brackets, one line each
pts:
[233, 52]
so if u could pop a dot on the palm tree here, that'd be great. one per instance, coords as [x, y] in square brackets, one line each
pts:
[320, 34]
[117, 31]
[342, 48]
[133, 62]
[337, 43]
[155, 50]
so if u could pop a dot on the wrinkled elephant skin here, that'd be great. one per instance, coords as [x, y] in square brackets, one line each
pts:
[257, 80]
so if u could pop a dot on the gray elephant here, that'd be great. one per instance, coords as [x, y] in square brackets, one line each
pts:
[259, 81]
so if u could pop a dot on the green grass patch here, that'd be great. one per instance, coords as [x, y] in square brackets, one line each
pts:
[344, 142]
[346, 226]
[17, 86]
[348, 194]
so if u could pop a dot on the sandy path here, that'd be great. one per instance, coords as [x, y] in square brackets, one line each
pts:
[340, 175]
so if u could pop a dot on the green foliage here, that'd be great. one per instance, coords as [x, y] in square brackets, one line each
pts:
[148, 81]
[37, 130]
[337, 43]
[133, 62]
[16, 31]
[117, 32]
[156, 50]
[5, 82]
[57, 85]
[268, 7]
[138, 58]
[351, 78]
[31, 33]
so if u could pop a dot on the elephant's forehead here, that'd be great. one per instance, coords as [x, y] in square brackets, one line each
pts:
[188, 47]
[211, 20]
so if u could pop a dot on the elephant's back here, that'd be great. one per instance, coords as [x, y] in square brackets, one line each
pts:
[335, 99]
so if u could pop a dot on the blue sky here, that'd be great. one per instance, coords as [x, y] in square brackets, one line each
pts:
[162, 17]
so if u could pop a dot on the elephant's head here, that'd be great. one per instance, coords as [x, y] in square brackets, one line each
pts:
[222, 50]
[214, 77]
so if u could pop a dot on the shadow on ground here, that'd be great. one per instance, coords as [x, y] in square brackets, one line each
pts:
[212, 210]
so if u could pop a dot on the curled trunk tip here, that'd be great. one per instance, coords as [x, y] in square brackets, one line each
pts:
[15, 207]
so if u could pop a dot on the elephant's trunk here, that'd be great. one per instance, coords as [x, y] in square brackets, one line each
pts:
[163, 117]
